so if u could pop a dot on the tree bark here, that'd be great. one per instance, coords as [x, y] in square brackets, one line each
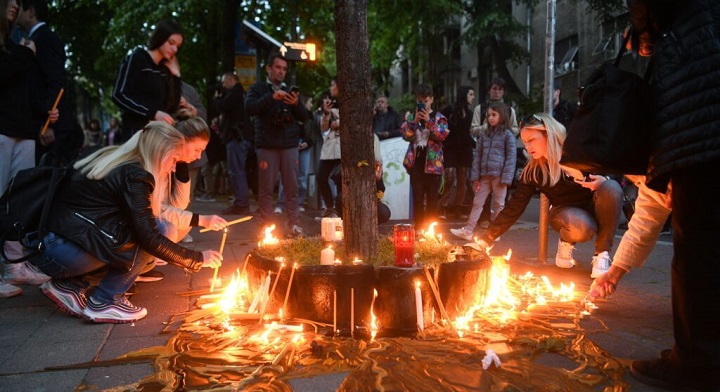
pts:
[356, 143]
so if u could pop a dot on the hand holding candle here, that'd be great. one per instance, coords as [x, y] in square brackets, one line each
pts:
[54, 107]
[222, 248]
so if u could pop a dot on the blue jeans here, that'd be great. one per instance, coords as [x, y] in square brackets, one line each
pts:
[237, 152]
[302, 178]
[66, 260]
[578, 224]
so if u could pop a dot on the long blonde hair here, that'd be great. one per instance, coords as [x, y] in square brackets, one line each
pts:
[148, 148]
[549, 169]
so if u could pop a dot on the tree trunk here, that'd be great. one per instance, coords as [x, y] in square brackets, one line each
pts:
[356, 144]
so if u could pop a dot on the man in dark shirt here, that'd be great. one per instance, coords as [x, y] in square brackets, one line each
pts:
[277, 115]
[47, 77]
[386, 121]
[236, 134]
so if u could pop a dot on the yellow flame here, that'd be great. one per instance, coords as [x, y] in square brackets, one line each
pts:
[373, 320]
[269, 238]
[501, 304]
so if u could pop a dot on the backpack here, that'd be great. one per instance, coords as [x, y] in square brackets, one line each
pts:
[25, 206]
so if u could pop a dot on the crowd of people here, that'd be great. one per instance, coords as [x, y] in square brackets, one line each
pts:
[124, 209]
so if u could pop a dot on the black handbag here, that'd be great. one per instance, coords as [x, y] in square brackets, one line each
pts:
[25, 206]
[610, 133]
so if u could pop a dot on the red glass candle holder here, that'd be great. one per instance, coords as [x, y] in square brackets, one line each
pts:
[404, 240]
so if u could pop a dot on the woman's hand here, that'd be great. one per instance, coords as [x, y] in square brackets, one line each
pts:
[212, 222]
[212, 259]
[162, 116]
[173, 66]
[594, 183]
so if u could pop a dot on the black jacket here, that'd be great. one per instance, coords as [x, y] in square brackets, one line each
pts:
[276, 124]
[566, 192]
[142, 88]
[112, 218]
[15, 110]
[234, 124]
[48, 77]
[389, 121]
[686, 85]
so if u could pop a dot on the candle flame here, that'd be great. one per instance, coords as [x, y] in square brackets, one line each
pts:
[269, 238]
[501, 304]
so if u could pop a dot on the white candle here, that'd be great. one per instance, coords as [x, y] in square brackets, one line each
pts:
[327, 256]
[338, 234]
[419, 307]
[265, 294]
[327, 229]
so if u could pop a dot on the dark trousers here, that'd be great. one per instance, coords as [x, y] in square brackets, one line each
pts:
[323, 181]
[696, 269]
[425, 193]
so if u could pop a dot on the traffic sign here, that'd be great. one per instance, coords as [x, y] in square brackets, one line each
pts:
[298, 51]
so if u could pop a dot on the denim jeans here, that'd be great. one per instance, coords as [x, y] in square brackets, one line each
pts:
[579, 224]
[66, 260]
[237, 153]
[499, 191]
[303, 168]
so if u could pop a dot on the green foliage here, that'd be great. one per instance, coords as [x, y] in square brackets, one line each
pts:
[306, 251]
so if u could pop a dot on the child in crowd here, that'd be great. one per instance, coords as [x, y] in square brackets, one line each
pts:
[493, 166]
[426, 132]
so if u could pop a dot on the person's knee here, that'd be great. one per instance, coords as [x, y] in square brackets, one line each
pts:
[611, 189]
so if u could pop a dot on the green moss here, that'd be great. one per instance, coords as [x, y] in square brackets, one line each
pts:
[306, 251]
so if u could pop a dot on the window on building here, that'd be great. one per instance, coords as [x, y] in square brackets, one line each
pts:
[568, 49]
[611, 34]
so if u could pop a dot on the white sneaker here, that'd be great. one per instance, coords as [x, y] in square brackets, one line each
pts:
[23, 273]
[301, 209]
[600, 264]
[463, 233]
[564, 256]
[7, 290]
[278, 210]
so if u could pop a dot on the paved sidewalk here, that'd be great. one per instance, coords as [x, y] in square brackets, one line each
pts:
[43, 349]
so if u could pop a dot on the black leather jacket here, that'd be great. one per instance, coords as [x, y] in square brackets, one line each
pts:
[566, 192]
[112, 218]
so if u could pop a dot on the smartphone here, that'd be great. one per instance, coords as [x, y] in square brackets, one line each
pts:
[420, 106]
[295, 89]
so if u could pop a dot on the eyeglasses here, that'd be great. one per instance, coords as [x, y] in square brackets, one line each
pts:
[533, 121]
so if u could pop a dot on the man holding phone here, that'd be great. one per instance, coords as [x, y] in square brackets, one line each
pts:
[277, 114]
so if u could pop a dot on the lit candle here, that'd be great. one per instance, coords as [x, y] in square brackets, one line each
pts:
[215, 273]
[352, 312]
[337, 262]
[327, 256]
[357, 261]
[419, 307]
[404, 241]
